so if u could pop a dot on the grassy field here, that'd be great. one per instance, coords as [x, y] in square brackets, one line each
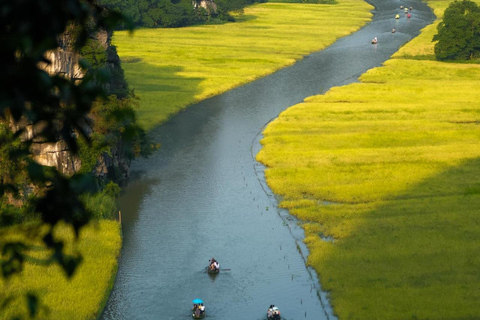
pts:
[172, 68]
[78, 298]
[385, 175]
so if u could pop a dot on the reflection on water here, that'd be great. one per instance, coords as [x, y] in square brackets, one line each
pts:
[202, 195]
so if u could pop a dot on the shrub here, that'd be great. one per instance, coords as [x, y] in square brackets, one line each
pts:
[459, 33]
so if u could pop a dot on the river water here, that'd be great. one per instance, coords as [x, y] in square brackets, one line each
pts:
[202, 195]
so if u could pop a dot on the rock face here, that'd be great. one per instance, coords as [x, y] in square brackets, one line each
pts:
[63, 62]
[209, 5]
[56, 154]
[113, 165]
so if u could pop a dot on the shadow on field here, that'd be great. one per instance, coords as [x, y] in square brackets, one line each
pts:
[148, 77]
[414, 257]
[246, 17]
[163, 90]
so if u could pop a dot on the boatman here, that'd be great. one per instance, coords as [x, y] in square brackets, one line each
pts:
[214, 266]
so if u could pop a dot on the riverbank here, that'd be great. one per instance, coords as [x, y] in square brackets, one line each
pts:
[383, 174]
[81, 297]
[170, 69]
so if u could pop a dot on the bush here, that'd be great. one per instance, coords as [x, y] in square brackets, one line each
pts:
[459, 33]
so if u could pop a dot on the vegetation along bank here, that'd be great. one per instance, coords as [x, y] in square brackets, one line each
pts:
[384, 175]
[170, 69]
[77, 298]
[68, 133]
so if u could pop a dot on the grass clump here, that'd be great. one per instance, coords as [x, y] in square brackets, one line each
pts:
[389, 169]
[82, 296]
[170, 69]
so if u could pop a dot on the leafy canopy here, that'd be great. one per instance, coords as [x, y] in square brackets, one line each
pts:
[174, 13]
[459, 33]
[37, 106]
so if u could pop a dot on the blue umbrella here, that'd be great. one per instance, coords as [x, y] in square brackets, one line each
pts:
[197, 301]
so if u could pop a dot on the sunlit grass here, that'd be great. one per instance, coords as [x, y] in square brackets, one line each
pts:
[389, 168]
[172, 68]
[81, 297]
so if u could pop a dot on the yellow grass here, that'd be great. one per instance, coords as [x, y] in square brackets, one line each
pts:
[172, 68]
[390, 169]
[84, 294]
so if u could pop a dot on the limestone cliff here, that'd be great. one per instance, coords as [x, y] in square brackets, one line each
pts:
[65, 61]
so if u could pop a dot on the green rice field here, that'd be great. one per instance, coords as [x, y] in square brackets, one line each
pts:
[81, 297]
[170, 69]
[385, 177]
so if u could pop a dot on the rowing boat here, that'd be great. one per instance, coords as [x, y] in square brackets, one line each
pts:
[212, 271]
[198, 310]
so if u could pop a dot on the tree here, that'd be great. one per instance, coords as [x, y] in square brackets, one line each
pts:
[459, 33]
[156, 13]
[37, 106]
[175, 13]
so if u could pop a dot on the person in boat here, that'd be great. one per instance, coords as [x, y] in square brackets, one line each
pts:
[197, 312]
[375, 40]
[273, 313]
[397, 16]
[212, 262]
[201, 307]
[214, 266]
[270, 311]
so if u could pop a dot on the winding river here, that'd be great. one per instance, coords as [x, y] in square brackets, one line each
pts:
[203, 195]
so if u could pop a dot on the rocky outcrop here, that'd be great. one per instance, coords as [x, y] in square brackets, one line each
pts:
[113, 166]
[56, 154]
[52, 154]
[65, 61]
[209, 5]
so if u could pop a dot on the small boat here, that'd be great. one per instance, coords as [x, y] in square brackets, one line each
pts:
[198, 310]
[374, 41]
[212, 271]
[397, 16]
[213, 266]
[273, 313]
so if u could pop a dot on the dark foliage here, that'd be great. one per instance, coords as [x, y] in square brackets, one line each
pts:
[174, 13]
[37, 106]
[459, 33]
